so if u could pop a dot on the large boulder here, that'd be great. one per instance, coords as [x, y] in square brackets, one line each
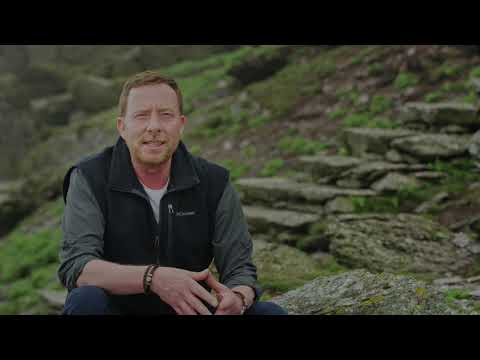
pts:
[441, 114]
[362, 293]
[429, 147]
[375, 141]
[397, 243]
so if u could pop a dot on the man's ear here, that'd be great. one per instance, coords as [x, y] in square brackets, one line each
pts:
[121, 125]
[184, 120]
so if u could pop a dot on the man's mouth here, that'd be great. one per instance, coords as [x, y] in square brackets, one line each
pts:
[154, 144]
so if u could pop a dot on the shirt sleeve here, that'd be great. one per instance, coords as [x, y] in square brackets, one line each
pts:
[232, 244]
[83, 226]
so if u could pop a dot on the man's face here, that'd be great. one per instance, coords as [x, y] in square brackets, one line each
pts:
[152, 126]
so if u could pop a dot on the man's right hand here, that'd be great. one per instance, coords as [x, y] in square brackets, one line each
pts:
[180, 289]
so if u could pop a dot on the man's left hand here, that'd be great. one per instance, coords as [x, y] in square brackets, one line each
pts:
[229, 302]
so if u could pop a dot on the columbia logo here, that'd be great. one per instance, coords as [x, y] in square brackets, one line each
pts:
[181, 213]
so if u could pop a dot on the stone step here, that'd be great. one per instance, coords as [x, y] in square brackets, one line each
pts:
[374, 141]
[323, 167]
[429, 147]
[441, 114]
[364, 175]
[262, 220]
[273, 190]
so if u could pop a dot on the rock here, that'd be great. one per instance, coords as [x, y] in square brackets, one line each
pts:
[461, 240]
[393, 156]
[474, 279]
[53, 110]
[365, 140]
[432, 203]
[474, 146]
[475, 84]
[433, 146]
[271, 190]
[94, 94]
[282, 268]
[394, 182]
[440, 114]
[55, 299]
[15, 58]
[370, 172]
[448, 281]
[362, 293]
[454, 129]
[475, 294]
[323, 167]
[340, 205]
[397, 243]
[258, 66]
[264, 219]
[349, 184]
[430, 175]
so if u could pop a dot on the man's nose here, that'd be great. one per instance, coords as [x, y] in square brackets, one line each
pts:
[155, 123]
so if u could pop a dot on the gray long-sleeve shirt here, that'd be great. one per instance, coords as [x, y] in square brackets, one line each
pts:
[83, 228]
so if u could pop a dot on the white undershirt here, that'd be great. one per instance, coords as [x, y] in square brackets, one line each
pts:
[155, 197]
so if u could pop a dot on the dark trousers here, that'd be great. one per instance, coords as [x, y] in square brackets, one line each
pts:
[89, 300]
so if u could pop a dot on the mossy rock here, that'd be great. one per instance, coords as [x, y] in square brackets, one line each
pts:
[362, 293]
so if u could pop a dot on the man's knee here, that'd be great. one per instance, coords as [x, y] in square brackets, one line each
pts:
[87, 300]
[266, 308]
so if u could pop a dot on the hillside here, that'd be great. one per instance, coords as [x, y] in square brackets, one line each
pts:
[346, 157]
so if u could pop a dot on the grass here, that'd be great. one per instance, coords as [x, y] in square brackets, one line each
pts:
[272, 167]
[29, 260]
[405, 80]
[367, 120]
[475, 72]
[236, 170]
[296, 145]
[380, 104]
[338, 114]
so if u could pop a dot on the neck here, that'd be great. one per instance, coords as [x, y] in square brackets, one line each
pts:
[154, 177]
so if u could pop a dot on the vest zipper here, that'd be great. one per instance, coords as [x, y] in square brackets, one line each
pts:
[170, 233]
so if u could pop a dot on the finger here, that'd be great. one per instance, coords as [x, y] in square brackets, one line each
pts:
[215, 284]
[197, 305]
[200, 276]
[203, 294]
[227, 302]
[186, 309]
[178, 311]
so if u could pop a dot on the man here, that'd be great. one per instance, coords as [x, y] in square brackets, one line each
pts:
[144, 219]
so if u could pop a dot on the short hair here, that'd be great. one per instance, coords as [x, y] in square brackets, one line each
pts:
[143, 79]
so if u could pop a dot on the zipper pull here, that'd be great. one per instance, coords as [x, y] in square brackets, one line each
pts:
[170, 209]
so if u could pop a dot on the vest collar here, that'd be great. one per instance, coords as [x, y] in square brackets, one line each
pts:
[122, 175]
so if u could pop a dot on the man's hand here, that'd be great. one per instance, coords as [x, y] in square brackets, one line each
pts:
[230, 303]
[180, 289]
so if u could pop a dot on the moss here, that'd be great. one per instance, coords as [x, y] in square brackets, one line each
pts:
[295, 145]
[338, 113]
[374, 300]
[272, 167]
[405, 80]
[380, 104]
[475, 72]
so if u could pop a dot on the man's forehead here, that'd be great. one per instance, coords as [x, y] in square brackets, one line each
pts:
[158, 94]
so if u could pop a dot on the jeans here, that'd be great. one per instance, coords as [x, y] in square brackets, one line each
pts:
[89, 300]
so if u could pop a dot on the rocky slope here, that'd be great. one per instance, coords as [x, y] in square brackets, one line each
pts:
[346, 158]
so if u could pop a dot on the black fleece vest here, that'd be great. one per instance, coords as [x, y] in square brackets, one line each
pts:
[181, 239]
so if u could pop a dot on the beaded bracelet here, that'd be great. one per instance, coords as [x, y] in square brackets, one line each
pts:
[148, 277]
